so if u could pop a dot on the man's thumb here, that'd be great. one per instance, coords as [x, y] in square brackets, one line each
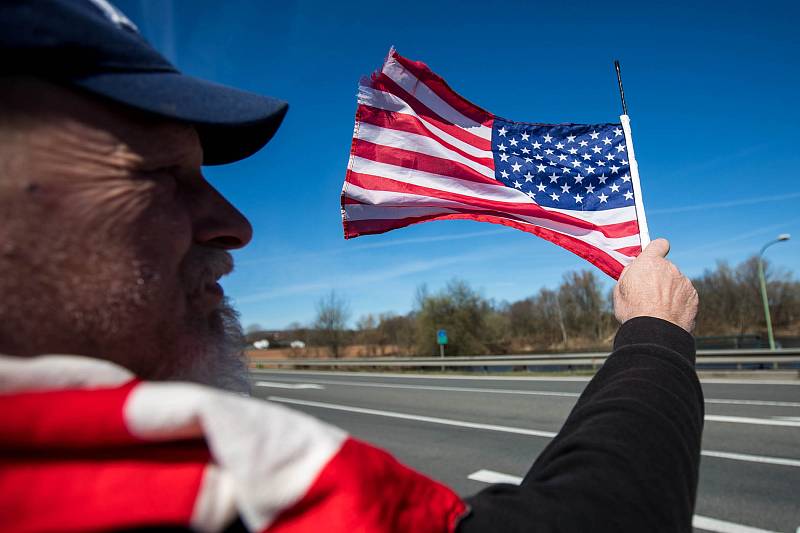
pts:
[657, 248]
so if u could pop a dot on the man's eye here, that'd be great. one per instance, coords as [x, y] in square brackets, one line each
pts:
[165, 174]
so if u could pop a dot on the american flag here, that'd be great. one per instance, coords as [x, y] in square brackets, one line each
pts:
[421, 152]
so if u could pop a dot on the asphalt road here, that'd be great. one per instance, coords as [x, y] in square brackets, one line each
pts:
[452, 428]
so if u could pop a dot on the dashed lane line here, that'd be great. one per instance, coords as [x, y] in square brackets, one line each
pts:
[584, 379]
[704, 523]
[766, 403]
[509, 429]
[284, 385]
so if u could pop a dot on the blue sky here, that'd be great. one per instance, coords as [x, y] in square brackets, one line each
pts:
[712, 90]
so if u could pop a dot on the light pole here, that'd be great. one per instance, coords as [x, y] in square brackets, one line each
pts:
[782, 237]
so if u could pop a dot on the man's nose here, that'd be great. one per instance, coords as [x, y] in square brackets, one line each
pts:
[216, 222]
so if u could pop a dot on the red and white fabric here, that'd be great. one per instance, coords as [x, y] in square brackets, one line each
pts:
[421, 152]
[85, 446]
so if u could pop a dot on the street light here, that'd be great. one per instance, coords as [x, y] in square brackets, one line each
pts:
[782, 237]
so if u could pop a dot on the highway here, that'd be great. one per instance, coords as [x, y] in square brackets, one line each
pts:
[466, 431]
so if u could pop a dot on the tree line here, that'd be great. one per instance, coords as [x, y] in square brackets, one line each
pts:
[575, 315]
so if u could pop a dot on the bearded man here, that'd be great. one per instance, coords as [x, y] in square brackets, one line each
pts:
[111, 247]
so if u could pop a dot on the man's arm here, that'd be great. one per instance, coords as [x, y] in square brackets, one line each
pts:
[627, 457]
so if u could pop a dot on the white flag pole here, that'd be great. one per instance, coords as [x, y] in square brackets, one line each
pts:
[644, 233]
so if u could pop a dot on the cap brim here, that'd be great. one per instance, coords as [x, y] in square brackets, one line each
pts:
[231, 124]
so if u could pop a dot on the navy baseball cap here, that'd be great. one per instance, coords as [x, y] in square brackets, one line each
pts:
[91, 45]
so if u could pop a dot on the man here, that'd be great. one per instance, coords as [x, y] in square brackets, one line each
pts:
[111, 246]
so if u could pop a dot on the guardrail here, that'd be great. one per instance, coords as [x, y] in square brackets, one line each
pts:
[787, 357]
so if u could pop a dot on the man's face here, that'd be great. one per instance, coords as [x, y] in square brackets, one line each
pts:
[111, 241]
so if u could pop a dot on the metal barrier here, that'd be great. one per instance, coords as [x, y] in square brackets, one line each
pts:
[788, 357]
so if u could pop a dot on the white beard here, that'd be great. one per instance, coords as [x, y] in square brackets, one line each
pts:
[214, 358]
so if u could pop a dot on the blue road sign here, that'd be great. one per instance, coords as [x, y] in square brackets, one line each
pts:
[441, 336]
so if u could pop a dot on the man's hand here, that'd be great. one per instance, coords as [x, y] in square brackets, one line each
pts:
[653, 286]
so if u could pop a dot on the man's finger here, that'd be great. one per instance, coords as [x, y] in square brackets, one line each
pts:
[657, 248]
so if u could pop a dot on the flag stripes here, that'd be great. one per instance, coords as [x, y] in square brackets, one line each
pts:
[421, 152]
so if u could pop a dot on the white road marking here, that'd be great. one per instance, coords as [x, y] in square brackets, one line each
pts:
[751, 420]
[706, 523]
[752, 458]
[535, 393]
[768, 403]
[421, 418]
[283, 385]
[490, 476]
[424, 376]
[720, 381]
[446, 389]
[508, 429]
[700, 522]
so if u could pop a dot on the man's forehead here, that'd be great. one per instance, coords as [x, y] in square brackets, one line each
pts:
[48, 105]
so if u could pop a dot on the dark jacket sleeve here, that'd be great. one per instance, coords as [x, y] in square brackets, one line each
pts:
[627, 456]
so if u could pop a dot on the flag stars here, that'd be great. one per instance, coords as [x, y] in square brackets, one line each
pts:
[525, 136]
[587, 157]
[628, 195]
[549, 151]
[600, 163]
[583, 144]
[626, 178]
[573, 151]
[615, 169]
[578, 178]
[624, 162]
[565, 188]
[561, 157]
[560, 146]
[566, 170]
[536, 145]
[504, 157]
[538, 157]
[614, 188]
[596, 149]
[515, 167]
[610, 157]
[528, 160]
[578, 199]
[513, 142]
[576, 164]
[602, 179]
[590, 170]
[530, 194]
[620, 148]
[603, 198]
[606, 140]
[504, 174]
[594, 135]
[554, 178]
[518, 185]
[541, 186]
[502, 147]
[571, 138]
[547, 138]
[526, 150]
[502, 131]
[528, 177]
[541, 167]
[589, 189]
[617, 132]
[554, 196]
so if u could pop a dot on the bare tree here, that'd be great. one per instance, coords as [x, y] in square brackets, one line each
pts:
[333, 312]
